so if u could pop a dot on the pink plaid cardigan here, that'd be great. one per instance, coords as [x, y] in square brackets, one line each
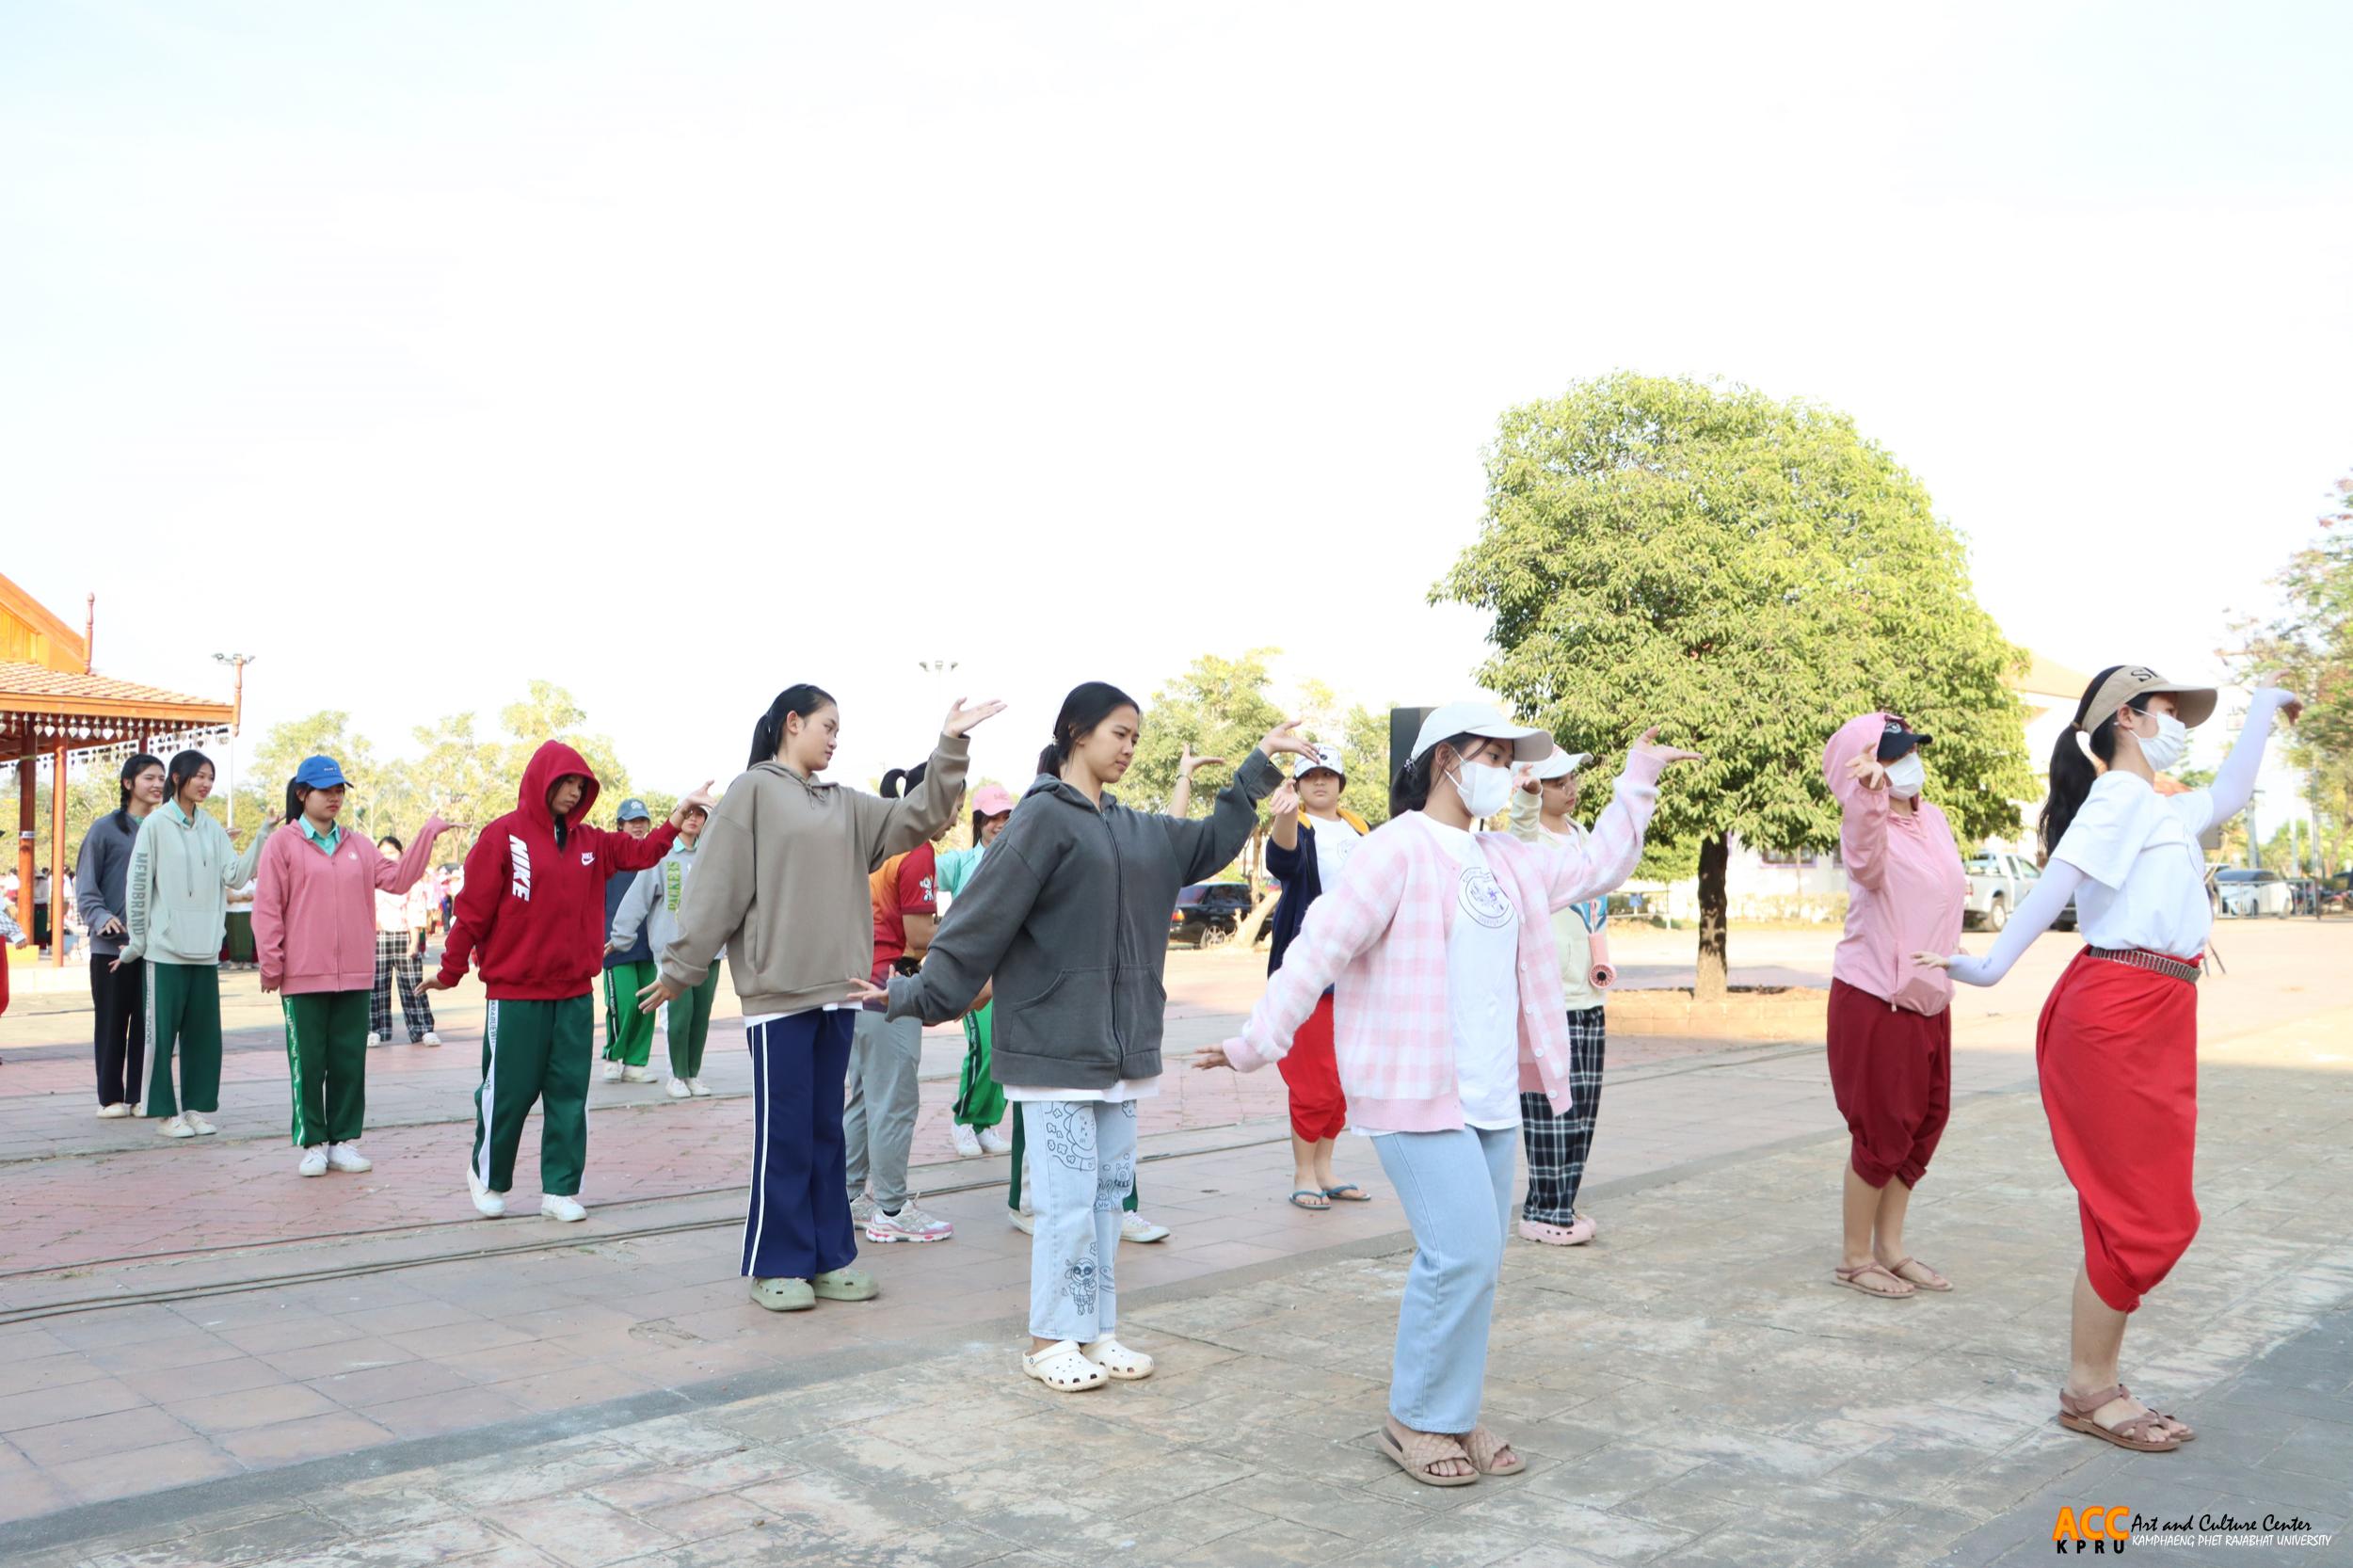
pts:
[1380, 940]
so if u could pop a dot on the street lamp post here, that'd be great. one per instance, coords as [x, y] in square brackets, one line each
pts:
[236, 721]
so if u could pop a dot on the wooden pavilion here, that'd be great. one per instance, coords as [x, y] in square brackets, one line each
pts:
[55, 708]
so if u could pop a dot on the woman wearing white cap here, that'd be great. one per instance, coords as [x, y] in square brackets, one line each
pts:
[2117, 1047]
[1448, 1004]
[1558, 1145]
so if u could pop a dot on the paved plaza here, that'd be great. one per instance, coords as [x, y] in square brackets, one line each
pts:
[204, 1359]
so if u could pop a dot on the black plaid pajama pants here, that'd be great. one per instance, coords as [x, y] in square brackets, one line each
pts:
[1557, 1145]
[397, 954]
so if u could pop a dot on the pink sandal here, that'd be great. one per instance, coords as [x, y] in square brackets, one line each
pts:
[1854, 1280]
[2144, 1434]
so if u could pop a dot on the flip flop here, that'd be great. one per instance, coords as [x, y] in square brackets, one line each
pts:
[1324, 1207]
[1347, 1191]
[1935, 1281]
[1854, 1279]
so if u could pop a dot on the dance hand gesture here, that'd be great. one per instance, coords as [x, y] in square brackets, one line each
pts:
[864, 991]
[1865, 769]
[1210, 1056]
[695, 800]
[1936, 960]
[1185, 763]
[1285, 737]
[1648, 746]
[660, 994]
[269, 824]
[1524, 777]
[2291, 706]
[1284, 802]
[961, 719]
[435, 982]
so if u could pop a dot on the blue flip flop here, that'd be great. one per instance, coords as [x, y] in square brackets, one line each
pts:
[1342, 1193]
[1324, 1207]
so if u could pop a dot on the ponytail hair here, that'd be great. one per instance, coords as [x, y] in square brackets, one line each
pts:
[768, 734]
[898, 781]
[1410, 790]
[1088, 705]
[294, 801]
[185, 766]
[2072, 773]
[132, 768]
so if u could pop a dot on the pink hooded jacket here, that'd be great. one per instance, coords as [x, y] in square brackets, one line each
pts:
[315, 914]
[1905, 883]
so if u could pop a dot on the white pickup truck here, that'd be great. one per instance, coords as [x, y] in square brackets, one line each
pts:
[1999, 884]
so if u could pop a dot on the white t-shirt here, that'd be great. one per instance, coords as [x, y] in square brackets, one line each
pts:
[1126, 1089]
[2145, 876]
[1335, 840]
[1483, 984]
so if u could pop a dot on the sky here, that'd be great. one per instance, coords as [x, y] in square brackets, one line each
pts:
[680, 353]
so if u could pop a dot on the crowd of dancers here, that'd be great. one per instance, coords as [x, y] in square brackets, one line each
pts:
[1434, 986]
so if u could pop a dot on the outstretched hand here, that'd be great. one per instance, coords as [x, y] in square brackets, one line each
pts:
[1188, 761]
[435, 982]
[864, 991]
[1648, 746]
[660, 994]
[961, 718]
[1210, 1056]
[1935, 960]
[1865, 769]
[1524, 779]
[696, 800]
[1285, 737]
[1284, 802]
[2291, 706]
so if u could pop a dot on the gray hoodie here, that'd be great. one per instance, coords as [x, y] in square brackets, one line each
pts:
[1069, 914]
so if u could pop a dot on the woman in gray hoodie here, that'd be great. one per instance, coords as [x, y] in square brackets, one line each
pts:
[1069, 914]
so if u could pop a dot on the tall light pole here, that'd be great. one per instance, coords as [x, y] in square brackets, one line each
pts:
[236, 721]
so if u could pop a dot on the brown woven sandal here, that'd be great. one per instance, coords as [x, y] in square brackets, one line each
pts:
[1855, 1278]
[1482, 1446]
[1937, 1281]
[1416, 1451]
[2144, 1434]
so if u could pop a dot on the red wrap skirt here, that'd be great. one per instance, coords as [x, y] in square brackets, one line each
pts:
[2116, 1051]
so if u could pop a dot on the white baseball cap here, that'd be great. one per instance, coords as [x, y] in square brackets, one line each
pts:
[1484, 721]
[1561, 764]
[1327, 758]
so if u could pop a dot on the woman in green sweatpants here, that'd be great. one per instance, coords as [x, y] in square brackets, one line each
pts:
[176, 898]
[647, 916]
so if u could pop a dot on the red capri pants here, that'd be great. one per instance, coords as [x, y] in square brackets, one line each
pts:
[2117, 1050]
[1891, 1071]
[1319, 1108]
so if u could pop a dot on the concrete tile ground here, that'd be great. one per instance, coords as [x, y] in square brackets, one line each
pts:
[1691, 1388]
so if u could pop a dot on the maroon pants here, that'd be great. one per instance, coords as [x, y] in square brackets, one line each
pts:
[1891, 1071]
[2116, 1051]
[1319, 1110]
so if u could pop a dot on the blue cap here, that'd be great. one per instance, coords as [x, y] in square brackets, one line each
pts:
[319, 772]
[632, 810]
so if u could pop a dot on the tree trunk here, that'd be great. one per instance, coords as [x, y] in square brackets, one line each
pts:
[1715, 905]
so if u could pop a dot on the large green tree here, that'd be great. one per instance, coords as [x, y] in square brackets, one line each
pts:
[2308, 642]
[1746, 574]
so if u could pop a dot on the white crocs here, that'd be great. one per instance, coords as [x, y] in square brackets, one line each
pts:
[1063, 1367]
[1117, 1359]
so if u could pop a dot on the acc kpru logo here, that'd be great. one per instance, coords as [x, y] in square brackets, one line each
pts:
[2093, 1528]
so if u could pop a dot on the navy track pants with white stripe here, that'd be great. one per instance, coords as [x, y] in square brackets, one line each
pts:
[798, 1222]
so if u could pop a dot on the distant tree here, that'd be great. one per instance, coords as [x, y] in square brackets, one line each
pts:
[2308, 642]
[1747, 573]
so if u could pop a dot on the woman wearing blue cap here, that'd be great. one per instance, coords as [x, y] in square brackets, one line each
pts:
[314, 935]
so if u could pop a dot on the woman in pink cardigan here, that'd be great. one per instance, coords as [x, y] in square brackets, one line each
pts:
[314, 934]
[1446, 1003]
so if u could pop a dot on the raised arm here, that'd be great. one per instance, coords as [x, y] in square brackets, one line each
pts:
[1528, 807]
[1205, 844]
[1339, 925]
[1862, 823]
[239, 870]
[2032, 917]
[888, 827]
[2234, 781]
[1614, 846]
[398, 876]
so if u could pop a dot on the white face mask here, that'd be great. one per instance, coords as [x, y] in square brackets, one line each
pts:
[1905, 774]
[1483, 788]
[2167, 747]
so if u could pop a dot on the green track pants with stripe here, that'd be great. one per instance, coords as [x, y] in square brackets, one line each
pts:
[628, 1033]
[183, 1010]
[327, 1060]
[534, 1051]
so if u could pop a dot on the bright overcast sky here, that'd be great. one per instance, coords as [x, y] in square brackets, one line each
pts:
[676, 353]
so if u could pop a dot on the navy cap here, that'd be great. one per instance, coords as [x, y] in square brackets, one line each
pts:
[632, 810]
[319, 772]
[1898, 739]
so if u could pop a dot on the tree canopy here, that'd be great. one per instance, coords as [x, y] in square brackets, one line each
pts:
[2309, 643]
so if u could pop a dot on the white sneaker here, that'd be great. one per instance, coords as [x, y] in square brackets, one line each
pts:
[911, 1224]
[993, 1142]
[613, 1072]
[862, 1209]
[967, 1142]
[555, 1206]
[430, 1039]
[487, 1204]
[637, 1074]
[1135, 1228]
[347, 1157]
[701, 1090]
[109, 1112]
[373, 1038]
[203, 1127]
[313, 1162]
[677, 1089]
[176, 1127]
[1023, 1220]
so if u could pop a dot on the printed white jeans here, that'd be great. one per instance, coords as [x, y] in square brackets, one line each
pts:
[1083, 1162]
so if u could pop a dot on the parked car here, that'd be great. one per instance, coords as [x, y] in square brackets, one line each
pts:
[1208, 912]
[2247, 891]
[1999, 884]
[2304, 895]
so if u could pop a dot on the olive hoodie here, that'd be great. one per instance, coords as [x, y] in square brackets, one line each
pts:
[1069, 914]
[780, 881]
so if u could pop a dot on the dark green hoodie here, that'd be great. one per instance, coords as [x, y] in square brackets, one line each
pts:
[1069, 913]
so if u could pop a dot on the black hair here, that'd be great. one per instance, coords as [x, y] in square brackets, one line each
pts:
[768, 734]
[2072, 773]
[293, 800]
[1410, 790]
[132, 768]
[898, 781]
[183, 767]
[1088, 705]
[980, 819]
[394, 840]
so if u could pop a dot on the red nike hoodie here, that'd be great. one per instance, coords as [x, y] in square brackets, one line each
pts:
[531, 912]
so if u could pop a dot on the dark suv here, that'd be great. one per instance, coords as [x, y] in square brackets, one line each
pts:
[1208, 912]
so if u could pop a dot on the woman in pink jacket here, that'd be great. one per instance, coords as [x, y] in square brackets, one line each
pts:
[1446, 1003]
[315, 933]
[1891, 1037]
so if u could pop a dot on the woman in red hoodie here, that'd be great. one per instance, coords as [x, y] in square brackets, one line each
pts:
[532, 915]
[314, 934]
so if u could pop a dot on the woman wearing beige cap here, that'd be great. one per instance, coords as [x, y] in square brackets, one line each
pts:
[2117, 1047]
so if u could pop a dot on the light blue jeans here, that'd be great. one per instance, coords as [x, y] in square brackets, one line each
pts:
[1456, 1190]
[1083, 1162]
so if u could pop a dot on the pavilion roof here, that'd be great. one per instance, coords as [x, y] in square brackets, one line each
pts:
[41, 708]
